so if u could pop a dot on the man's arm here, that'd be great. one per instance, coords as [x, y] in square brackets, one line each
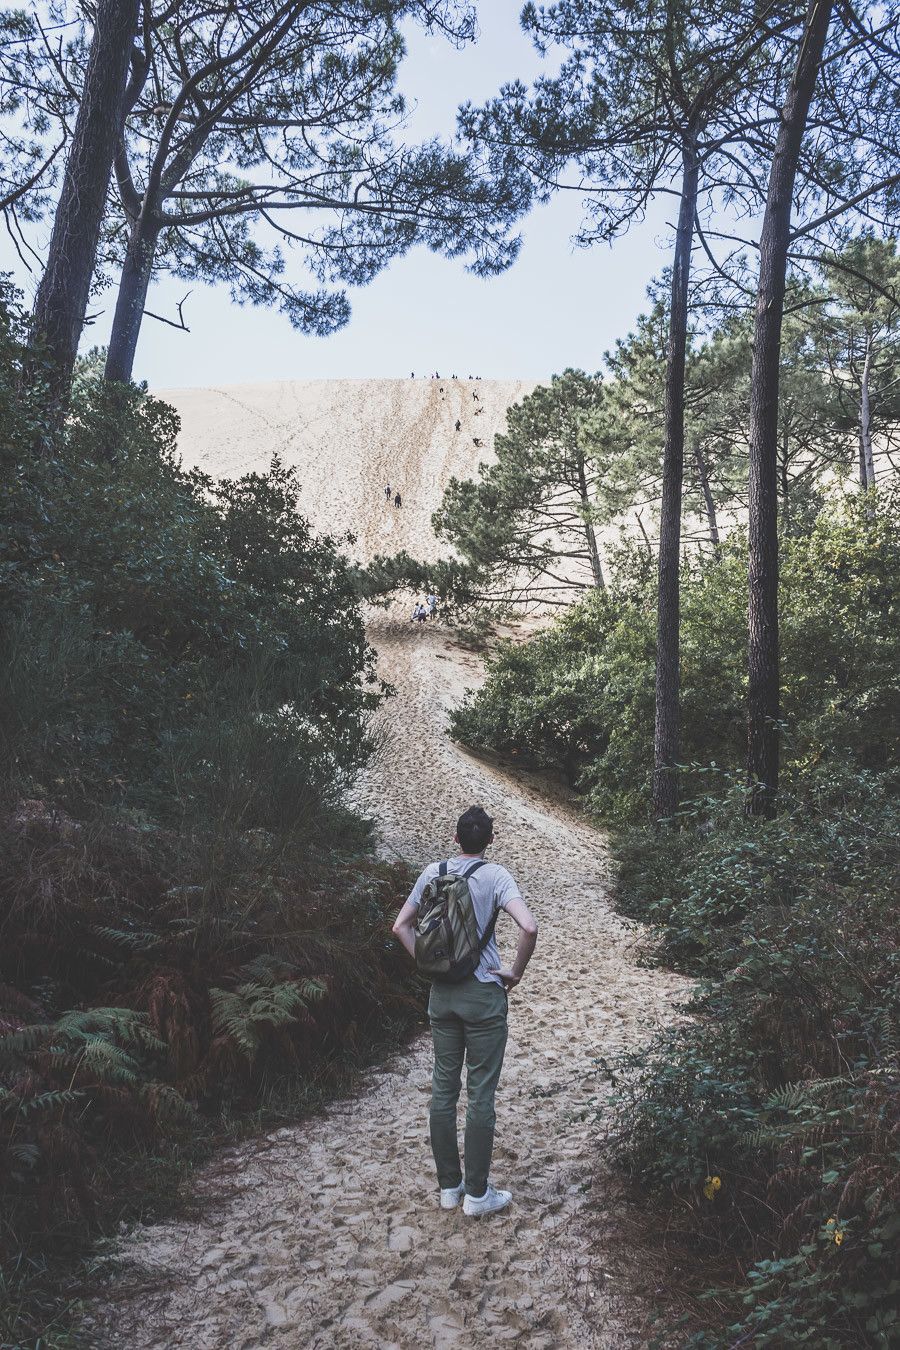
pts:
[405, 926]
[528, 931]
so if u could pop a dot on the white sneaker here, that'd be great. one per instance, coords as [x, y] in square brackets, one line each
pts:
[451, 1197]
[489, 1203]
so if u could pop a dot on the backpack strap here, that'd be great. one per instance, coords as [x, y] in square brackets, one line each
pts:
[442, 869]
[489, 931]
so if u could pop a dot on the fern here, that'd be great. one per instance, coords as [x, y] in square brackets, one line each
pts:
[246, 1014]
[16, 1043]
[131, 940]
[49, 1101]
[889, 1036]
[108, 1062]
[167, 1104]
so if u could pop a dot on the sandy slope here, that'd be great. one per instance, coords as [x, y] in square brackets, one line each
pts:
[328, 1234]
[348, 438]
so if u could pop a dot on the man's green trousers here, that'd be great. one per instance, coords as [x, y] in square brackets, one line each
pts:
[468, 1026]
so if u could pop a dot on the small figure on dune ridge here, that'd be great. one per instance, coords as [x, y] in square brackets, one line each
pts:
[398, 500]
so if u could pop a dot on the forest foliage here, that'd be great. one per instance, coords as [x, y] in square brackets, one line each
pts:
[768, 1121]
[184, 673]
[193, 930]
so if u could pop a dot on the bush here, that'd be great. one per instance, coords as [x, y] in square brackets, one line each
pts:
[767, 1123]
[578, 698]
[773, 1117]
[135, 993]
[192, 930]
[143, 605]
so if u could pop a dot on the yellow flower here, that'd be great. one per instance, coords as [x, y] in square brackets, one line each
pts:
[713, 1184]
[838, 1238]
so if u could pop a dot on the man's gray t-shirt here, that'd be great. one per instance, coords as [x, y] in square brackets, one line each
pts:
[491, 886]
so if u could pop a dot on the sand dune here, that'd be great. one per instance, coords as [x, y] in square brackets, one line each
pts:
[348, 438]
[328, 1234]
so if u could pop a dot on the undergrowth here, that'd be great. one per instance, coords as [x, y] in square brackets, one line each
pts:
[765, 1126]
[194, 937]
[771, 1119]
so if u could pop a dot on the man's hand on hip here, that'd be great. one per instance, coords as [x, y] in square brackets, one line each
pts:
[509, 977]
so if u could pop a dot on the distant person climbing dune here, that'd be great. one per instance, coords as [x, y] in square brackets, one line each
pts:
[398, 500]
[458, 425]
[387, 492]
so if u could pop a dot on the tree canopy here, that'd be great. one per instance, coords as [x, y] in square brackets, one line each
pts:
[527, 525]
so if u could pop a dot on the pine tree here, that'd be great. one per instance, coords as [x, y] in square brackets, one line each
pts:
[62, 296]
[527, 527]
[858, 334]
[256, 128]
[652, 99]
[836, 148]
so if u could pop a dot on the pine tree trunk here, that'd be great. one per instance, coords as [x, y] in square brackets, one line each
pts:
[866, 458]
[62, 296]
[712, 519]
[784, 481]
[763, 699]
[589, 532]
[668, 672]
[137, 270]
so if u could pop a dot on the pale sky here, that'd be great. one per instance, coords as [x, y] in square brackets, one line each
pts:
[557, 306]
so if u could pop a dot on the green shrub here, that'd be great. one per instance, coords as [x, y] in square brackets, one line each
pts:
[578, 697]
[784, 1085]
[191, 927]
[767, 1122]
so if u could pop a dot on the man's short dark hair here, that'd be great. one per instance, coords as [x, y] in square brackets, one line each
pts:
[474, 829]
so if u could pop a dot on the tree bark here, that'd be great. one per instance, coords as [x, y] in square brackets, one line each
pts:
[62, 296]
[712, 519]
[137, 270]
[763, 700]
[668, 671]
[784, 480]
[589, 532]
[866, 458]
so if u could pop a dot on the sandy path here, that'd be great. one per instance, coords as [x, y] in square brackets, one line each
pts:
[329, 1234]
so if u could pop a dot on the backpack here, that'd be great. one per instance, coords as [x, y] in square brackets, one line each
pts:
[448, 947]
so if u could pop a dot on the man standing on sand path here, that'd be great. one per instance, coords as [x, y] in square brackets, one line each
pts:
[468, 1018]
